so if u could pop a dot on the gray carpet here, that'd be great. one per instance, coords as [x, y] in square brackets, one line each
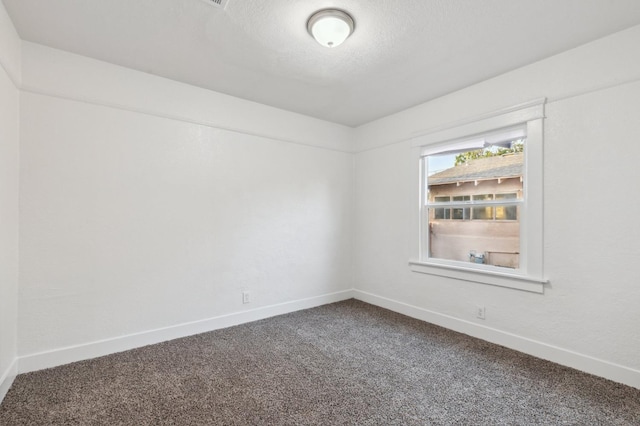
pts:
[347, 363]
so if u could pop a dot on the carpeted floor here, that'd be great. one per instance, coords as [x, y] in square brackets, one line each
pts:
[347, 363]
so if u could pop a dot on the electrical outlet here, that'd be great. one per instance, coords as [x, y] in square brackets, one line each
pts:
[480, 312]
[246, 296]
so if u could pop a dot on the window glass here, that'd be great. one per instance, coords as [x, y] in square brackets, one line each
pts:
[462, 198]
[506, 213]
[483, 213]
[442, 213]
[483, 189]
[461, 214]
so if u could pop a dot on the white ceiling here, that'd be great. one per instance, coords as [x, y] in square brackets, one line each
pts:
[402, 53]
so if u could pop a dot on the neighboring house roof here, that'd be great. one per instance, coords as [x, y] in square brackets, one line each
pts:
[504, 166]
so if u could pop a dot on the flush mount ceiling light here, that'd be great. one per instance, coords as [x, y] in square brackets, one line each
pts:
[330, 27]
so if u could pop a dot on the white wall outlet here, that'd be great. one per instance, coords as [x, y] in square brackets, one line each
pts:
[246, 296]
[480, 312]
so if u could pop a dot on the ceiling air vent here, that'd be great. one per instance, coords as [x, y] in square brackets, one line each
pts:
[217, 3]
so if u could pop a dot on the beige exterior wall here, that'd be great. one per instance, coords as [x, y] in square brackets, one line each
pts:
[497, 240]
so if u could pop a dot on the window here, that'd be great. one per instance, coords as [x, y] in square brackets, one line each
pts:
[505, 212]
[480, 208]
[482, 225]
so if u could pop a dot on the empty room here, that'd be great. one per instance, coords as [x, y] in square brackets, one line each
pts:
[250, 212]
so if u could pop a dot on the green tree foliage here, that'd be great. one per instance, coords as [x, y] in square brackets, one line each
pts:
[464, 157]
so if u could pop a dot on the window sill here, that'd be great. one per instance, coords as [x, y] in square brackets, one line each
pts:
[490, 277]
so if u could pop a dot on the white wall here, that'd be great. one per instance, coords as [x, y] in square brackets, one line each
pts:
[65, 75]
[140, 211]
[588, 315]
[148, 205]
[9, 105]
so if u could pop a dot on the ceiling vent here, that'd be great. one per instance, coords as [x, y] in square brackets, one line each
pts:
[217, 3]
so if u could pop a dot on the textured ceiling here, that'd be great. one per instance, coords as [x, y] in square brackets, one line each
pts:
[403, 52]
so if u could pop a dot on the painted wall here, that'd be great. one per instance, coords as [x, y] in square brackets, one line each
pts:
[143, 208]
[9, 105]
[591, 153]
[146, 203]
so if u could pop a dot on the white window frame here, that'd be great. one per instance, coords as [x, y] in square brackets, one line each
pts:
[530, 274]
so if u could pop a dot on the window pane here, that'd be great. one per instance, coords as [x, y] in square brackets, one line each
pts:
[442, 214]
[506, 213]
[475, 177]
[483, 213]
[461, 214]
[462, 198]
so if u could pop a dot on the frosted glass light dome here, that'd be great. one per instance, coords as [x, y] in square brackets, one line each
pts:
[330, 27]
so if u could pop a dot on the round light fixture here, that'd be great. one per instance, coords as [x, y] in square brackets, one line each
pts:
[330, 27]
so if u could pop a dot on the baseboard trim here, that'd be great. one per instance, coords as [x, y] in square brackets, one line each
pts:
[6, 380]
[61, 356]
[588, 364]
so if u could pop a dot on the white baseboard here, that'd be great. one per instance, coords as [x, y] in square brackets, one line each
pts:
[39, 361]
[7, 378]
[588, 364]
[95, 349]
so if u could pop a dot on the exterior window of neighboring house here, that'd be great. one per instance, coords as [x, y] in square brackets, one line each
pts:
[480, 215]
[496, 213]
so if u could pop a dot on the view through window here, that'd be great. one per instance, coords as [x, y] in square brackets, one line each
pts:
[473, 200]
